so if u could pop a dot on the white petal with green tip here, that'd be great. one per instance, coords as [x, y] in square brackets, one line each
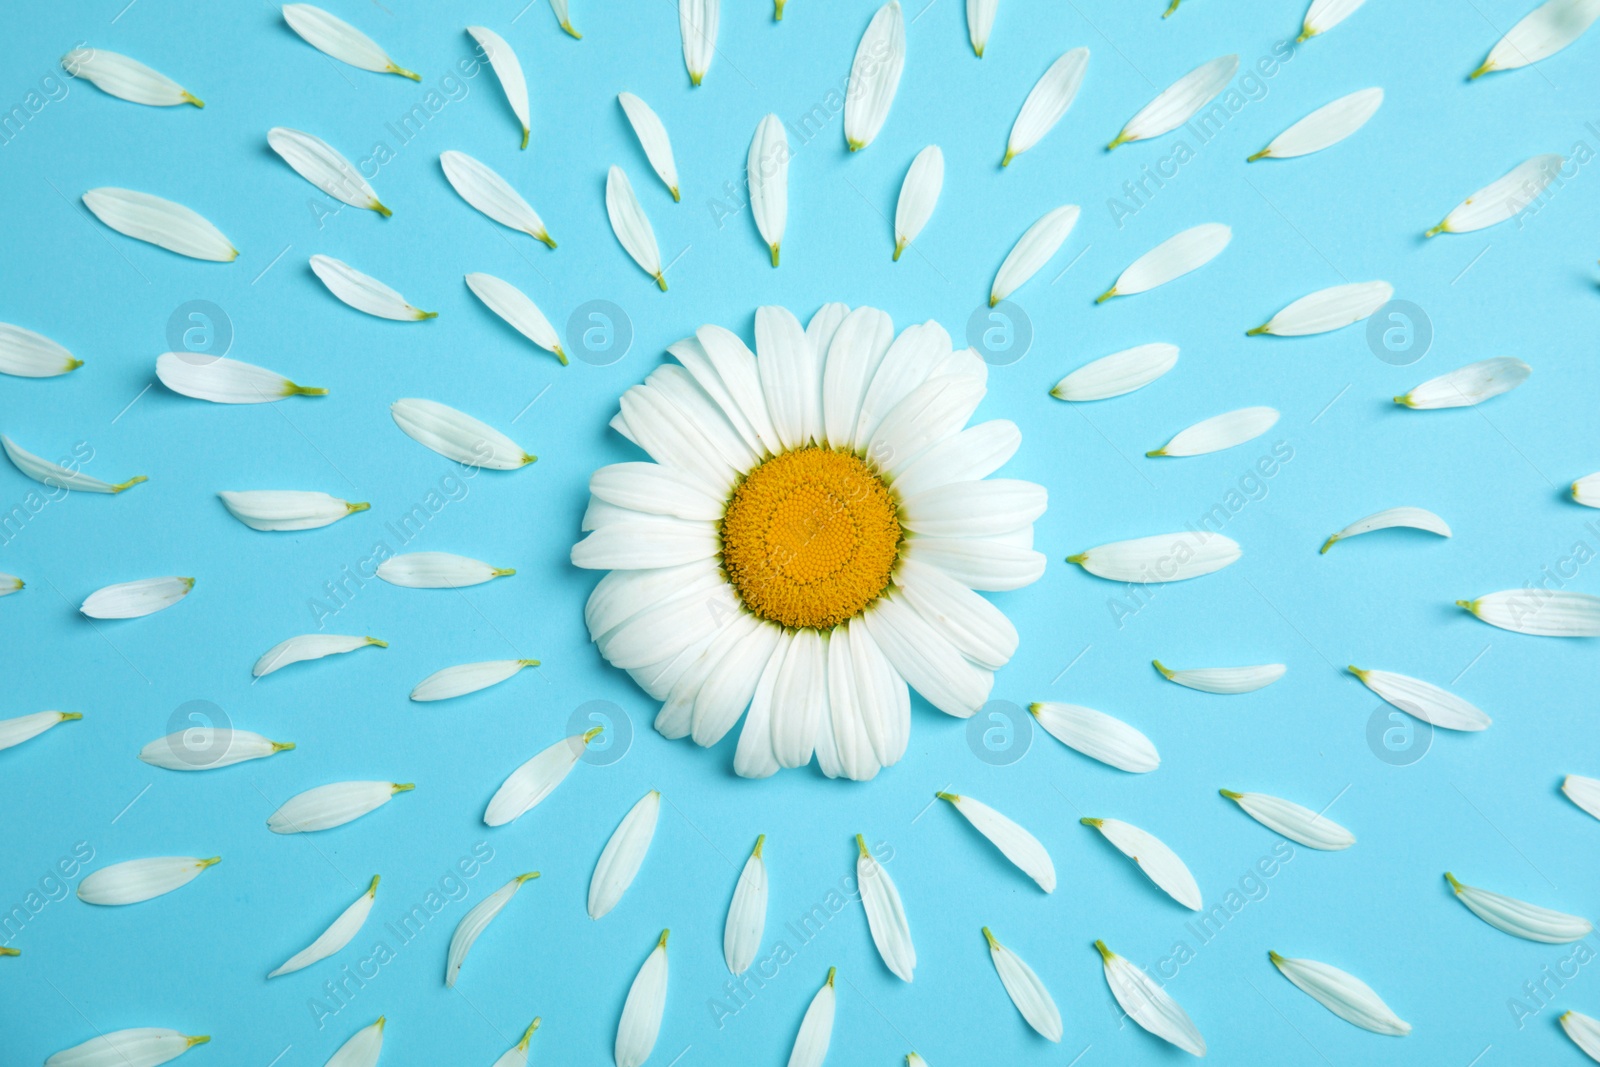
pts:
[1148, 1004]
[1173, 258]
[1227, 681]
[364, 292]
[335, 37]
[1469, 385]
[226, 381]
[322, 165]
[816, 1028]
[309, 647]
[209, 748]
[139, 880]
[1584, 792]
[1159, 863]
[530, 783]
[517, 1055]
[1014, 843]
[1049, 99]
[640, 1023]
[874, 76]
[336, 936]
[1298, 824]
[767, 169]
[980, 21]
[1541, 33]
[631, 225]
[1324, 127]
[623, 855]
[138, 1047]
[919, 192]
[1503, 198]
[1389, 518]
[363, 1048]
[1178, 102]
[1584, 1030]
[652, 134]
[1220, 432]
[335, 804]
[57, 476]
[1034, 1003]
[1171, 557]
[1117, 374]
[1586, 490]
[475, 922]
[1324, 15]
[1423, 700]
[508, 69]
[1098, 736]
[160, 222]
[886, 915]
[458, 436]
[1342, 993]
[1327, 309]
[484, 189]
[1539, 612]
[133, 600]
[747, 913]
[467, 678]
[1032, 251]
[697, 23]
[1519, 918]
[437, 570]
[125, 78]
[521, 313]
[287, 509]
[26, 354]
[26, 727]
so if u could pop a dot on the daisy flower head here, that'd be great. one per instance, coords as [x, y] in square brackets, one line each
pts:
[808, 542]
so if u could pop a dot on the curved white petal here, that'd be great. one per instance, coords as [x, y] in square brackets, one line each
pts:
[363, 1048]
[1584, 1030]
[1228, 681]
[475, 922]
[203, 748]
[320, 163]
[652, 134]
[623, 855]
[161, 223]
[1049, 99]
[1342, 993]
[1298, 824]
[1159, 863]
[919, 192]
[1161, 558]
[628, 219]
[767, 169]
[1015, 844]
[126, 78]
[27, 727]
[226, 381]
[1117, 374]
[467, 678]
[1178, 102]
[1172, 258]
[928, 662]
[508, 69]
[1324, 15]
[337, 38]
[1148, 1004]
[280, 509]
[140, 880]
[1098, 736]
[137, 1047]
[1584, 792]
[1469, 385]
[456, 435]
[1503, 198]
[1032, 251]
[990, 566]
[30, 355]
[874, 76]
[1026, 991]
[1327, 309]
[336, 936]
[521, 313]
[747, 913]
[1219, 432]
[1425, 701]
[1389, 518]
[437, 570]
[1541, 33]
[816, 1028]
[57, 476]
[364, 292]
[980, 20]
[640, 1023]
[530, 783]
[489, 193]
[1519, 918]
[1324, 127]
[332, 805]
[133, 600]
[1540, 612]
[309, 647]
[886, 915]
[697, 23]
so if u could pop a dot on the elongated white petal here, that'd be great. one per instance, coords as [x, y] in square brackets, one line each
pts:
[1424, 700]
[1148, 1004]
[468, 678]
[624, 853]
[517, 1055]
[161, 223]
[1586, 490]
[1032, 251]
[1584, 1030]
[874, 76]
[1324, 127]
[336, 936]
[980, 20]
[1098, 736]
[1327, 309]
[1172, 258]
[767, 169]
[886, 915]
[652, 134]
[132, 600]
[226, 381]
[275, 509]
[139, 880]
[125, 78]
[208, 748]
[508, 69]
[1014, 843]
[1541, 33]
[26, 727]
[320, 163]
[1219, 432]
[1224, 680]
[363, 1048]
[640, 1023]
[747, 913]
[335, 37]
[364, 292]
[629, 223]
[918, 194]
[1155, 859]
[1324, 15]
[1540, 612]
[1389, 518]
[1503, 198]
[475, 922]
[1469, 385]
[491, 194]
[332, 805]
[457, 435]
[30, 355]
[437, 570]
[1180, 101]
[1117, 374]
[1298, 824]
[1026, 991]
[530, 783]
[697, 23]
[10, 583]
[308, 647]
[1052, 94]
[523, 315]
[1342, 993]
[1584, 792]
[1162, 558]
[138, 1047]
[816, 1028]
[57, 476]
[1519, 918]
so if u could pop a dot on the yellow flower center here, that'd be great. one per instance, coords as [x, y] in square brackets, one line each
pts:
[810, 538]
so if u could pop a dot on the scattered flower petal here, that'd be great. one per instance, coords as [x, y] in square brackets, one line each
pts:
[1584, 792]
[475, 922]
[980, 20]
[1032, 251]
[517, 1055]
[58, 477]
[628, 219]
[1411, 518]
[1342, 993]
[1171, 557]
[1219, 432]
[1225, 680]
[534, 780]
[336, 936]
[1117, 374]
[139, 880]
[1014, 843]
[1148, 1004]
[138, 1047]
[335, 37]
[30, 355]
[1324, 127]
[1324, 15]
[1469, 385]
[1098, 736]
[26, 727]
[521, 313]
[562, 17]
[492, 195]
[1326, 310]
[1423, 700]
[161, 223]
[467, 678]
[1159, 863]
[364, 292]
[1298, 824]
[508, 69]
[697, 23]
[874, 76]
[1540, 612]
[1172, 258]
[767, 169]
[362, 1049]
[647, 1000]
[126, 79]
[816, 1029]
[1026, 991]
[209, 748]
[747, 913]
[886, 915]
[437, 570]
[133, 600]
[320, 163]
[279, 509]
[1541, 33]
[458, 436]
[1050, 98]
[1180, 101]
[918, 195]
[1519, 918]
[226, 381]
[1586, 490]
[1503, 198]
[623, 855]
[308, 647]
[332, 805]
[1584, 1031]
[652, 134]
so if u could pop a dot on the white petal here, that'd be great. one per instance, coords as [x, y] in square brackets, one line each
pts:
[467, 678]
[362, 1049]
[1425, 701]
[506, 67]
[978, 630]
[513, 305]
[886, 915]
[139, 880]
[1584, 1031]
[336, 936]
[1504, 197]
[932, 412]
[926, 660]
[1519, 918]
[273, 509]
[491, 194]
[1098, 736]
[1324, 15]
[458, 436]
[980, 20]
[1148, 1004]
[731, 367]
[1542, 32]
[978, 509]
[517, 1055]
[883, 700]
[1225, 680]
[1046, 103]
[1178, 102]
[646, 545]
[1172, 258]
[132, 600]
[1344, 994]
[161, 223]
[1298, 824]
[1584, 792]
[652, 134]
[9, 583]
[791, 378]
[1324, 127]
[1327, 309]
[342, 41]
[475, 922]
[874, 76]
[1469, 385]
[816, 1029]
[1117, 374]
[332, 805]
[125, 78]
[655, 490]
[858, 346]
[1025, 989]
[226, 381]
[437, 570]
[139, 1047]
[57, 476]
[320, 163]
[753, 757]
[530, 783]
[1412, 518]
[1032, 251]
[26, 727]
[991, 566]
[364, 292]
[1219, 432]
[767, 169]
[641, 1012]
[1586, 490]
[1541, 612]
[969, 456]
[206, 748]
[624, 853]
[30, 355]
[697, 23]
[1155, 859]
[800, 699]
[1014, 843]
[905, 367]
[747, 913]
[919, 192]
[1162, 558]
[628, 220]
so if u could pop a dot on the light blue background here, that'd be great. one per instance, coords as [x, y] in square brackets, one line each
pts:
[1485, 806]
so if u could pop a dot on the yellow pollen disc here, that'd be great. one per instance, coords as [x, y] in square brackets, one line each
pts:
[810, 538]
